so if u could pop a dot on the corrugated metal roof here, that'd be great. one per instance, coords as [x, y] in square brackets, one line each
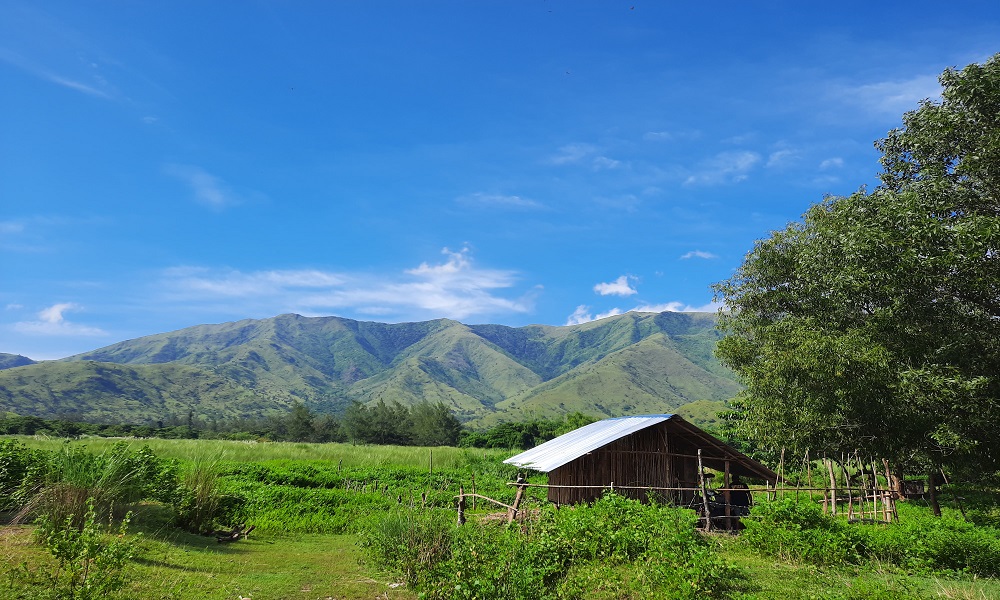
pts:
[569, 446]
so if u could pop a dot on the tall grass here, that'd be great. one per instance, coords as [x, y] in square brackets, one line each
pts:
[443, 457]
[112, 480]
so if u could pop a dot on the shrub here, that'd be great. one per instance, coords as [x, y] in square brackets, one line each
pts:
[617, 546]
[90, 559]
[793, 530]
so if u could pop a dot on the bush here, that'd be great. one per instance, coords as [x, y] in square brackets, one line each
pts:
[91, 559]
[617, 547]
[793, 530]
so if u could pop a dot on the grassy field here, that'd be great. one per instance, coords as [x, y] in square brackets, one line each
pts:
[311, 503]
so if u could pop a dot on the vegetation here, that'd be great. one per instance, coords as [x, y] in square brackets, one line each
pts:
[873, 322]
[312, 503]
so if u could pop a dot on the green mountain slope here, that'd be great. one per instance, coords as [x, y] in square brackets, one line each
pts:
[105, 392]
[9, 361]
[650, 376]
[636, 362]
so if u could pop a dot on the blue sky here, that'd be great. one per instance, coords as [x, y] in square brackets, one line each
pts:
[166, 164]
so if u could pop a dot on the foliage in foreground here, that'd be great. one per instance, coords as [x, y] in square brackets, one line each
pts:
[799, 531]
[91, 560]
[615, 548]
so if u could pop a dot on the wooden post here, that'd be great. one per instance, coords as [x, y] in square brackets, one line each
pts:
[726, 495]
[340, 465]
[891, 497]
[850, 492]
[809, 473]
[826, 503]
[781, 476]
[512, 511]
[833, 488]
[704, 494]
[461, 505]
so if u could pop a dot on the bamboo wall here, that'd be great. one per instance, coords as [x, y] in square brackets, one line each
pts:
[646, 458]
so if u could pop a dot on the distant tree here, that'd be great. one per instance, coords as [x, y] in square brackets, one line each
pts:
[433, 425]
[874, 322]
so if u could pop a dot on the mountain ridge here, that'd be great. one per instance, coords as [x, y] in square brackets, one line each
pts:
[652, 362]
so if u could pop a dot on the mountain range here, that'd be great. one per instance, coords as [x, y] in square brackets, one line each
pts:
[626, 364]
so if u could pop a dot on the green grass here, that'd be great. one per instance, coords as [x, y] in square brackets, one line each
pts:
[179, 566]
[297, 490]
[351, 456]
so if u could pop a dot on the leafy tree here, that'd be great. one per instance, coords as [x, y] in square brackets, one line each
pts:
[874, 322]
[434, 425]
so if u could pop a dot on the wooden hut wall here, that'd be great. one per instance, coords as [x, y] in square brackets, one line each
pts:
[640, 459]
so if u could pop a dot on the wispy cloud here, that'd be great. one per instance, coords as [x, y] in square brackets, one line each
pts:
[781, 158]
[678, 307]
[208, 189]
[618, 287]
[831, 163]
[890, 98]
[11, 227]
[100, 90]
[455, 288]
[698, 254]
[52, 321]
[571, 154]
[725, 167]
[501, 201]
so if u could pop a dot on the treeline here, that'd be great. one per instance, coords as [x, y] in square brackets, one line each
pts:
[423, 424]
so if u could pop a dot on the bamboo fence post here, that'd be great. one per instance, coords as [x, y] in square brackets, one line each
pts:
[850, 492]
[726, 496]
[781, 476]
[704, 493]
[809, 473]
[890, 491]
[833, 488]
[826, 493]
[461, 506]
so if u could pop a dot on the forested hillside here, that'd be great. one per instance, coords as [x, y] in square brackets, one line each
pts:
[636, 362]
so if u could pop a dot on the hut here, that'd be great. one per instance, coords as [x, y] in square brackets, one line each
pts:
[636, 456]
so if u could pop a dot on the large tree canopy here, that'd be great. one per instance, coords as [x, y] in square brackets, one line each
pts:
[874, 322]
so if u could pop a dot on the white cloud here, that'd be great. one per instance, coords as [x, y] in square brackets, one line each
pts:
[698, 254]
[571, 153]
[52, 321]
[678, 307]
[232, 283]
[781, 158]
[602, 163]
[208, 189]
[582, 315]
[658, 136]
[890, 98]
[831, 163]
[725, 167]
[484, 200]
[618, 287]
[455, 288]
